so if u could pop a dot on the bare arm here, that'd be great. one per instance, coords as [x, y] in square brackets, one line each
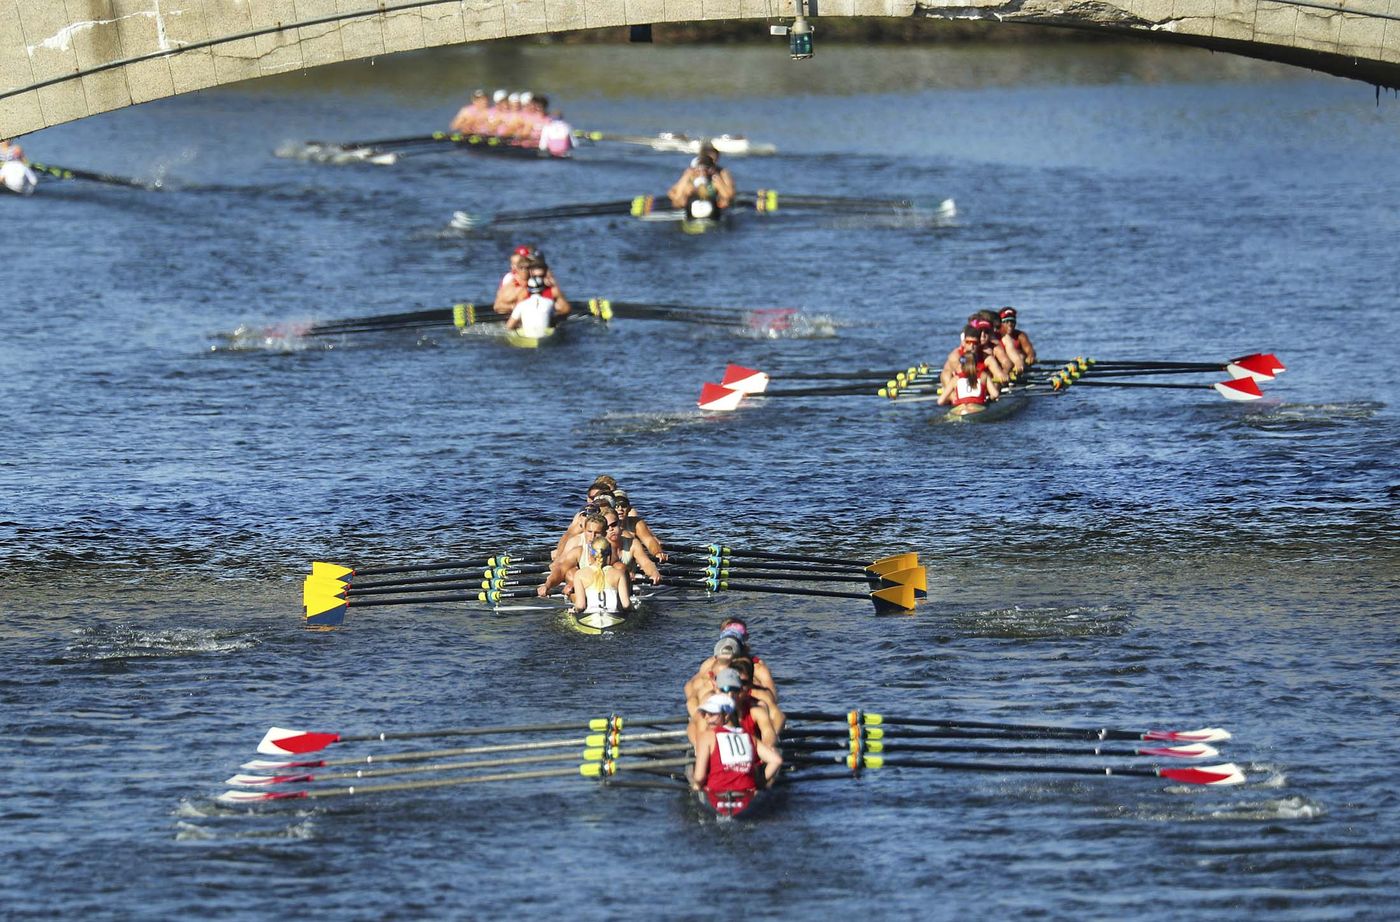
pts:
[772, 761]
[701, 769]
[507, 296]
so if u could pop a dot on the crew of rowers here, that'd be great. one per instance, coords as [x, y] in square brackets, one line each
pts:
[735, 722]
[521, 118]
[529, 295]
[15, 174]
[705, 189]
[606, 545]
[993, 353]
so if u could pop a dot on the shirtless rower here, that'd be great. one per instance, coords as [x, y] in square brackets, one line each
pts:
[600, 587]
[735, 630]
[471, 118]
[702, 182]
[728, 758]
[972, 389]
[543, 306]
[753, 713]
[1014, 339]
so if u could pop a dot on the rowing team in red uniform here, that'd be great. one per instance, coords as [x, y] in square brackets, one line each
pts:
[993, 353]
[522, 118]
[597, 559]
[735, 723]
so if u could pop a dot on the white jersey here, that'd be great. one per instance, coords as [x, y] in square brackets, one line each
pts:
[16, 176]
[534, 314]
[601, 603]
[556, 137]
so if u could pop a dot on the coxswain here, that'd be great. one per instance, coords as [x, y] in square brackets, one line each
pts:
[15, 174]
[471, 118]
[701, 190]
[600, 587]
[1014, 339]
[555, 136]
[543, 306]
[971, 391]
[728, 758]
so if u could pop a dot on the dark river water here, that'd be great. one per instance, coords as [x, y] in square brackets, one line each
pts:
[1116, 557]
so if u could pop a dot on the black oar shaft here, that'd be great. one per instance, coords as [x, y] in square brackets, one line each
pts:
[771, 555]
[726, 586]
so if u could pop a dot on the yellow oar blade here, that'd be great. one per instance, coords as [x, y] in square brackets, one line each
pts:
[326, 611]
[895, 598]
[891, 564]
[329, 570]
[314, 590]
[917, 577]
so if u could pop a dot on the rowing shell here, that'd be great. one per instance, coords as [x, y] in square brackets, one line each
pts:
[595, 623]
[1003, 408]
[735, 805]
[521, 341]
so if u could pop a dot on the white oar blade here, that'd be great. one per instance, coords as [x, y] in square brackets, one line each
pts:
[1194, 751]
[1241, 389]
[282, 742]
[718, 398]
[1226, 773]
[947, 209]
[263, 765]
[1203, 735]
[253, 781]
[745, 380]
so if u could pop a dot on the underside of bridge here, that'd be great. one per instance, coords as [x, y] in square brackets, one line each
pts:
[62, 60]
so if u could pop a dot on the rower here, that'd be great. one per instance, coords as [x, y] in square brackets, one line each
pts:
[576, 553]
[629, 553]
[751, 695]
[1014, 339]
[973, 388]
[702, 190]
[515, 287]
[15, 174]
[735, 631]
[753, 710]
[727, 758]
[633, 522]
[995, 357]
[543, 306]
[600, 587]
[471, 118]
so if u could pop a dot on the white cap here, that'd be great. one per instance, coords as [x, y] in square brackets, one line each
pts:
[718, 704]
[525, 98]
[498, 97]
[513, 98]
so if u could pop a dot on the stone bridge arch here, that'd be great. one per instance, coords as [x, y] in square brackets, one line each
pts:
[62, 60]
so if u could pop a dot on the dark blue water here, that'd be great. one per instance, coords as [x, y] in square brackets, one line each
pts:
[1118, 557]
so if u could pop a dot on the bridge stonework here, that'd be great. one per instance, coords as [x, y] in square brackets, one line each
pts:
[62, 60]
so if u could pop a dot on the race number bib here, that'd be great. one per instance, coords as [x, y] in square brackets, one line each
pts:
[735, 751]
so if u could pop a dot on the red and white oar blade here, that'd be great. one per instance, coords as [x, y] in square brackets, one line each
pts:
[1194, 751]
[1241, 389]
[252, 797]
[262, 765]
[1226, 773]
[1257, 367]
[253, 781]
[280, 742]
[1203, 735]
[719, 398]
[747, 380]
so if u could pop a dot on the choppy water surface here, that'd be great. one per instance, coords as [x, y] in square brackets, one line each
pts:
[1109, 557]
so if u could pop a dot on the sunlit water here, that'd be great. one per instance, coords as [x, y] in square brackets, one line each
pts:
[1119, 557]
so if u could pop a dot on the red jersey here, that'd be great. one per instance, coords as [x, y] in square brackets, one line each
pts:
[731, 782]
